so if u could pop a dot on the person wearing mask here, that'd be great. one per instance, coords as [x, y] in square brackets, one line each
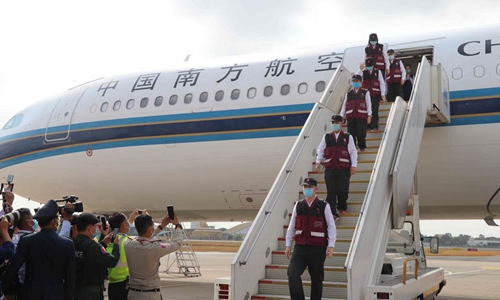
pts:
[24, 225]
[396, 79]
[143, 256]
[357, 109]
[408, 84]
[49, 258]
[118, 276]
[92, 260]
[377, 51]
[337, 153]
[313, 229]
[374, 82]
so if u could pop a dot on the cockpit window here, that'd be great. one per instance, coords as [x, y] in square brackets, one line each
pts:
[13, 122]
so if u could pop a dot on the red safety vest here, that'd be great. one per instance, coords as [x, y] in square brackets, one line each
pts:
[310, 223]
[355, 107]
[395, 75]
[336, 153]
[371, 83]
[377, 53]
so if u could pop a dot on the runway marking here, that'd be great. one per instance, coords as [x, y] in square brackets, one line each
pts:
[460, 273]
[490, 268]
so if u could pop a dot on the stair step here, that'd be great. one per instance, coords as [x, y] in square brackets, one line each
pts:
[338, 259]
[340, 245]
[334, 274]
[280, 287]
[360, 175]
[283, 297]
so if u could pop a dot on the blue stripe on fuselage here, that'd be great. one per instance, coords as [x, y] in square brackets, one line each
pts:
[261, 122]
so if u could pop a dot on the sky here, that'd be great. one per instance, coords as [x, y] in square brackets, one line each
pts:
[49, 46]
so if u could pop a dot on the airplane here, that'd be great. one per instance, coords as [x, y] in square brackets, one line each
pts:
[210, 137]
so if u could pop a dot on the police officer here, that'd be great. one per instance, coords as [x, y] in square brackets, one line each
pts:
[118, 276]
[92, 260]
[357, 109]
[377, 51]
[313, 228]
[143, 256]
[50, 260]
[374, 82]
[396, 79]
[337, 153]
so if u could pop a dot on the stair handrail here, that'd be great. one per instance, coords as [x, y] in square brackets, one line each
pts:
[255, 252]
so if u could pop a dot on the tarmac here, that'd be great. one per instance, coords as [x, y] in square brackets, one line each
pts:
[468, 278]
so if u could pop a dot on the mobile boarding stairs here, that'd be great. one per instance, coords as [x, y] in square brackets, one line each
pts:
[378, 252]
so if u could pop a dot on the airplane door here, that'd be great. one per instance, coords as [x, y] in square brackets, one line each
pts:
[59, 123]
[354, 56]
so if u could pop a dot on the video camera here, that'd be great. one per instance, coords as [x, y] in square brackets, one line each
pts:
[78, 205]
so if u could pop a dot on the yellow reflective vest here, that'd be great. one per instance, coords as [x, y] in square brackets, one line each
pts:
[120, 272]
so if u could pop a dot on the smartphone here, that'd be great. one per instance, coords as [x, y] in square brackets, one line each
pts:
[170, 210]
[103, 222]
[140, 211]
[115, 233]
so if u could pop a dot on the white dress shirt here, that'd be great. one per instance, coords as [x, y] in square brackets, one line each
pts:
[330, 223]
[380, 79]
[353, 153]
[368, 101]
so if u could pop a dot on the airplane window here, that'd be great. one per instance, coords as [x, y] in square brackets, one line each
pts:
[130, 103]
[158, 101]
[235, 94]
[285, 89]
[104, 106]
[13, 122]
[268, 91]
[498, 69]
[457, 73]
[117, 105]
[203, 97]
[302, 88]
[17, 120]
[320, 86]
[173, 100]
[479, 71]
[144, 102]
[252, 92]
[188, 98]
[219, 95]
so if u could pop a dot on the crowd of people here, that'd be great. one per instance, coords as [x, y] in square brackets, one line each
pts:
[58, 254]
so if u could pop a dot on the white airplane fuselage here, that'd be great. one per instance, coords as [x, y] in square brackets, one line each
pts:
[216, 158]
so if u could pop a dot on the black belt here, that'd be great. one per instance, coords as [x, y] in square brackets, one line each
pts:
[139, 290]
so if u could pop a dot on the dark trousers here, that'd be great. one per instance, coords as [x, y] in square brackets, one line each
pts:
[313, 258]
[357, 129]
[337, 188]
[93, 292]
[375, 106]
[393, 90]
[118, 291]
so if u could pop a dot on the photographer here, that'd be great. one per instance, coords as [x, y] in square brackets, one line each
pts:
[67, 216]
[92, 260]
[50, 260]
[7, 248]
[143, 256]
[24, 225]
[118, 276]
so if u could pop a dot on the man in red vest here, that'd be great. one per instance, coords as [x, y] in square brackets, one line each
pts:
[374, 82]
[357, 109]
[377, 51]
[313, 228]
[396, 79]
[337, 153]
